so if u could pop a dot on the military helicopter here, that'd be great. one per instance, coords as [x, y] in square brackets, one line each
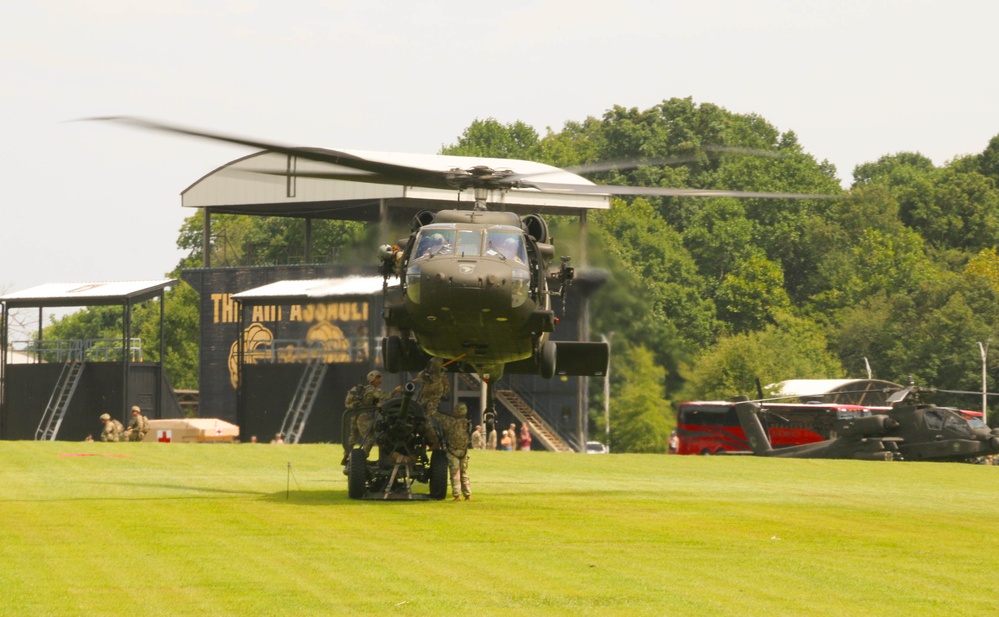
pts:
[910, 430]
[471, 284]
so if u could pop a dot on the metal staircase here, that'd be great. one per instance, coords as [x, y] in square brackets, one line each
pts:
[525, 413]
[305, 398]
[58, 404]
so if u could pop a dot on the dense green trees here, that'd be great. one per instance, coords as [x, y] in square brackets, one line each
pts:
[707, 295]
[899, 274]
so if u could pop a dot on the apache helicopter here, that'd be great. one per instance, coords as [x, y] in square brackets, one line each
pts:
[910, 430]
[470, 285]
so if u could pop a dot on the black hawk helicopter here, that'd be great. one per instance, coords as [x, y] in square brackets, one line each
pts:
[471, 284]
[912, 430]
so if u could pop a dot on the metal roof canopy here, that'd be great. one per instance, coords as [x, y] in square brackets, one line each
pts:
[265, 184]
[124, 293]
[86, 294]
[289, 292]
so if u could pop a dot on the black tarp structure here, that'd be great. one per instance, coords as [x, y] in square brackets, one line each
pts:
[107, 384]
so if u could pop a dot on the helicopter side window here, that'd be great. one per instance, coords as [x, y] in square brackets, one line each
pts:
[435, 242]
[933, 420]
[506, 245]
[469, 242]
[957, 425]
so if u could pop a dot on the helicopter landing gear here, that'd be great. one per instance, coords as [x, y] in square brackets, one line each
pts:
[402, 354]
[392, 350]
[548, 358]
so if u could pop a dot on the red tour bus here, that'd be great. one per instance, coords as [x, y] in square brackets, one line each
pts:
[712, 427]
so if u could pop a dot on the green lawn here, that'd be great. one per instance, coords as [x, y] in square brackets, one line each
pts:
[154, 529]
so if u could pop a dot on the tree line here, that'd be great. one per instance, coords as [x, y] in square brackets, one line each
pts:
[707, 295]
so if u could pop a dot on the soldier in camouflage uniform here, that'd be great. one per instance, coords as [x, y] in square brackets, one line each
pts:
[137, 427]
[456, 432]
[367, 397]
[435, 386]
[112, 428]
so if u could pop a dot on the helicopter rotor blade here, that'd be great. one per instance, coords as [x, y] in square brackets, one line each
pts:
[391, 173]
[477, 177]
[978, 393]
[612, 189]
[707, 152]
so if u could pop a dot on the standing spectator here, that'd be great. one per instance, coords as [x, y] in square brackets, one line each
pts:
[525, 437]
[506, 443]
[478, 441]
[492, 440]
[513, 436]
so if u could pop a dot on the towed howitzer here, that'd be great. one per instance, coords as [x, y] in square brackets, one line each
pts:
[405, 456]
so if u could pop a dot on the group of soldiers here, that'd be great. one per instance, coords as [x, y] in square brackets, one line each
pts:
[138, 426]
[366, 397]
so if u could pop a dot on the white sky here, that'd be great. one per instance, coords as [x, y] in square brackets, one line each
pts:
[855, 79]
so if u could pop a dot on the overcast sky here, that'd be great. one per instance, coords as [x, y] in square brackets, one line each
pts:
[855, 79]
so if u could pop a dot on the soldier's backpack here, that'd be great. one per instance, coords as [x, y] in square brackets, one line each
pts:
[118, 427]
[354, 397]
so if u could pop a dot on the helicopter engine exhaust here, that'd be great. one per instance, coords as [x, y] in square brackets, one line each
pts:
[874, 456]
[877, 424]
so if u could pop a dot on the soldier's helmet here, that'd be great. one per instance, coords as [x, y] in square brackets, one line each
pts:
[373, 375]
[135, 409]
[105, 417]
[435, 363]
[460, 410]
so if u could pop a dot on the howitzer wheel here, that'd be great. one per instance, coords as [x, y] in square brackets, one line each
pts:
[357, 474]
[438, 474]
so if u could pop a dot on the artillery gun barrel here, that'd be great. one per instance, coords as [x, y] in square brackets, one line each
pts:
[409, 390]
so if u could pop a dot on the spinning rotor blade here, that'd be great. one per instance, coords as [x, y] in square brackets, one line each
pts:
[390, 173]
[613, 189]
[707, 152]
[382, 172]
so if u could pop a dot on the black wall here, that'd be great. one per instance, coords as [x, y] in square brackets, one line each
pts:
[270, 388]
[29, 387]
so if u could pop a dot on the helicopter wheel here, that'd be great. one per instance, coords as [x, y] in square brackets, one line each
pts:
[548, 359]
[392, 346]
[438, 474]
[357, 474]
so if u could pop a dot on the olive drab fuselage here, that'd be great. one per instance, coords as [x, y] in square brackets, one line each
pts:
[474, 284]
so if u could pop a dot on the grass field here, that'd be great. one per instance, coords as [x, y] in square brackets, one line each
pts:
[151, 529]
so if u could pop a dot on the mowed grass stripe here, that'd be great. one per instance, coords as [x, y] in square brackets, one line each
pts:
[152, 529]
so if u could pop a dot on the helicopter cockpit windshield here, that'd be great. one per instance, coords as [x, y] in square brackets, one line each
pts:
[506, 245]
[434, 241]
